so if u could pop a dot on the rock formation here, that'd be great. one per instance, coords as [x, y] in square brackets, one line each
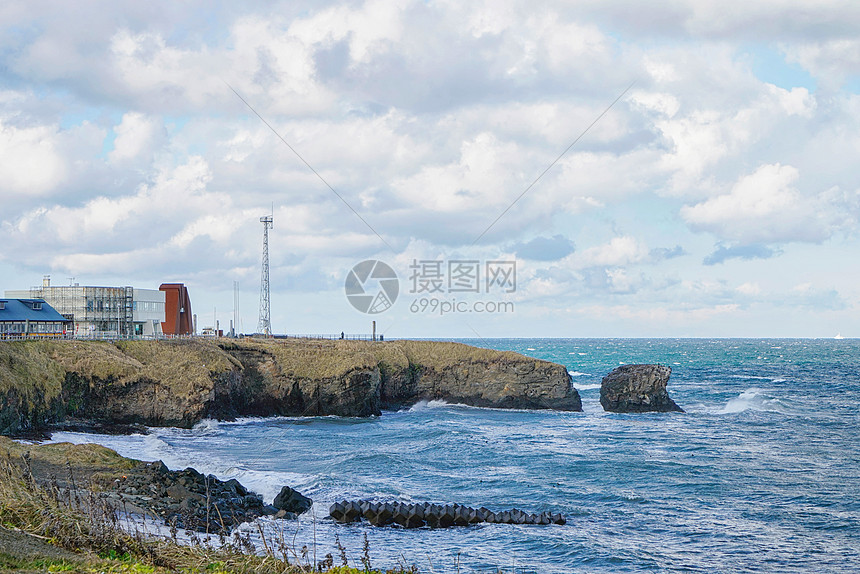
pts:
[187, 499]
[180, 382]
[637, 389]
[432, 515]
[292, 501]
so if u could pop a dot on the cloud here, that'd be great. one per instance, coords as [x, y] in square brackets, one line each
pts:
[137, 138]
[767, 206]
[723, 253]
[831, 61]
[619, 251]
[544, 248]
[661, 253]
[31, 164]
[119, 135]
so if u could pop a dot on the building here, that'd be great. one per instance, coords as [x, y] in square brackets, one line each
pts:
[30, 318]
[178, 319]
[103, 311]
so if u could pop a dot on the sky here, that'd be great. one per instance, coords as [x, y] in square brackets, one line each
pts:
[685, 168]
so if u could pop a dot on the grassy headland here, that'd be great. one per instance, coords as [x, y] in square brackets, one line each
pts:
[180, 382]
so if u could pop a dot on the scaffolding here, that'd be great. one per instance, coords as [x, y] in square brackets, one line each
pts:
[96, 311]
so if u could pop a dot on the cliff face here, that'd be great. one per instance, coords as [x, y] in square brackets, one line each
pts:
[178, 383]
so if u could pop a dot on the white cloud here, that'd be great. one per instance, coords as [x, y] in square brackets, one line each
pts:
[748, 288]
[137, 137]
[31, 161]
[622, 250]
[766, 207]
[832, 62]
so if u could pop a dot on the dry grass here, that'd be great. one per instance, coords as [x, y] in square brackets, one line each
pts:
[440, 355]
[181, 365]
[310, 358]
[60, 453]
[94, 359]
[80, 521]
[26, 368]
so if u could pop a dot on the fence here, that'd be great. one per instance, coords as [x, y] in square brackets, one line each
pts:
[113, 336]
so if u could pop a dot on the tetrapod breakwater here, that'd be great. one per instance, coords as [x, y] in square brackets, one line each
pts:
[433, 515]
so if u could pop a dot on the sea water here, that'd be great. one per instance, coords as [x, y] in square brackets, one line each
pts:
[762, 473]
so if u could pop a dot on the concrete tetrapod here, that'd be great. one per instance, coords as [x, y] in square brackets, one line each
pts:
[433, 515]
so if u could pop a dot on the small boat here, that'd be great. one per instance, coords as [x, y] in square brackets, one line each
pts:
[838, 336]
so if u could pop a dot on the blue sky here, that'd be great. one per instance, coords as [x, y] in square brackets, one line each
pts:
[718, 197]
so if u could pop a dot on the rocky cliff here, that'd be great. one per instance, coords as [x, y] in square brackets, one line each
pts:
[179, 382]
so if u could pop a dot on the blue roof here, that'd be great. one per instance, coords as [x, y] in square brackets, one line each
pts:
[22, 310]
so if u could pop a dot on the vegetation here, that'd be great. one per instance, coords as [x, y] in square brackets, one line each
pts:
[47, 528]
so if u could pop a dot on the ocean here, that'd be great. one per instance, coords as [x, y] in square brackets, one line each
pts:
[761, 474]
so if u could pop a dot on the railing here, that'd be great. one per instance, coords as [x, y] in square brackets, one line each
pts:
[345, 336]
[111, 336]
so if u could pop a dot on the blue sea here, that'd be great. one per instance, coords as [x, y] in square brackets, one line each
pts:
[761, 474]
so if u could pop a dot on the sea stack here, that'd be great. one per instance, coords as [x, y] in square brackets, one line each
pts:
[637, 389]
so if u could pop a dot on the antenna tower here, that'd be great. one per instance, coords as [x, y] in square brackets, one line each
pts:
[265, 324]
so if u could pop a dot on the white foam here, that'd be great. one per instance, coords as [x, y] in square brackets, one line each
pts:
[756, 400]
[578, 374]
[423, 405]
[587, 387]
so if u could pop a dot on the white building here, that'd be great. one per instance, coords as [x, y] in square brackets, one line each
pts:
[103, 311]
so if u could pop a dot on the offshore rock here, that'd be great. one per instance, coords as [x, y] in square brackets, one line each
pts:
[637, 389]
[293, 501]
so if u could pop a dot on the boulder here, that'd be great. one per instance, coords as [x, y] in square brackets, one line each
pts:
[292, 501]
[637, 389]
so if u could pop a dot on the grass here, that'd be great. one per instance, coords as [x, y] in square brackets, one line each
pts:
[83, 523]
[90, 455]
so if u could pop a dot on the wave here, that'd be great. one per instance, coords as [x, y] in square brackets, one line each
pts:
[424, 405]
[206, 427]
[755, 400]
[578, 374]
[587, 387]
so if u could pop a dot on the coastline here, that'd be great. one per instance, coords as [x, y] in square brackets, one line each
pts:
[180, 382]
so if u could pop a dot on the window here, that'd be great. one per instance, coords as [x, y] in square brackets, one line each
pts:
[37, 305]
[2, 305]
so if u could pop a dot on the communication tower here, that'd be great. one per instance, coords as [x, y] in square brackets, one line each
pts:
[265, 324]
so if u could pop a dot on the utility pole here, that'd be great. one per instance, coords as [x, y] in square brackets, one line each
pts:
[265, 324]
[236, 329]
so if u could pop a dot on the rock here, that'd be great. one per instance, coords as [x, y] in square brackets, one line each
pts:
[292, 501]
[637, 389]
[235, 487]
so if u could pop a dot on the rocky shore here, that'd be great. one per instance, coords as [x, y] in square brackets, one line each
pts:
[180, 382]
[184, 499]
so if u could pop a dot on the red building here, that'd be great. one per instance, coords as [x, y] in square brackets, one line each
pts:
[178, 319]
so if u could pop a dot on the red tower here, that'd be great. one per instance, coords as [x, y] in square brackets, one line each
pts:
[177, 310]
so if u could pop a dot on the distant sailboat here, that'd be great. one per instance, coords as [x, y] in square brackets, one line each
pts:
[838, 336]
